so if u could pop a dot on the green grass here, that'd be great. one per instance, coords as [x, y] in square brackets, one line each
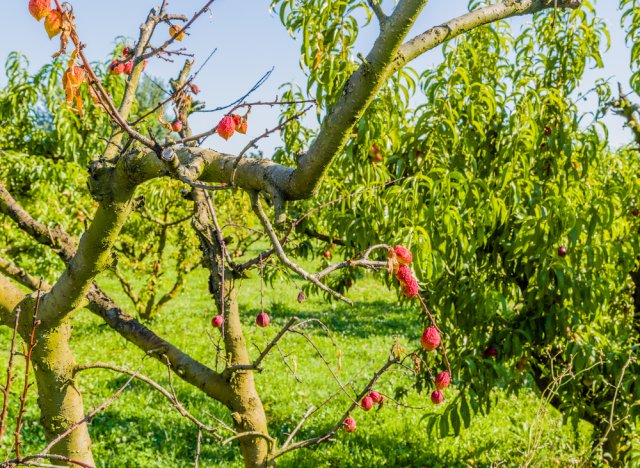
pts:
[140, 429]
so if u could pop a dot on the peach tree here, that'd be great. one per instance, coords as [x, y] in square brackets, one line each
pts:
[518, 217]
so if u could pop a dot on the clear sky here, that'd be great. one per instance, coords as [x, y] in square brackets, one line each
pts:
[250, 41]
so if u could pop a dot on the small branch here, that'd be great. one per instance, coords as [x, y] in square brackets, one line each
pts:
[198, 441]
[153, 384]
[377, 10]
[256, 364]
[306, 416]
[354, 404]
[27, 461]
[257, 208]
[25, 389]
[7, 386]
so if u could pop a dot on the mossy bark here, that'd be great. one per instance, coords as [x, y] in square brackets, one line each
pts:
[59, 398]
[247, 410]
[241, 396]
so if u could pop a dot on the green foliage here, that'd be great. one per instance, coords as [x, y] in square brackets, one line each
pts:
[495, 169]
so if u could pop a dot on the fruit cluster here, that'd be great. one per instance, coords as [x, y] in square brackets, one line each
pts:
[230, 124]
[124, 64]
[349, 424]
[399, 259]
[53, 19]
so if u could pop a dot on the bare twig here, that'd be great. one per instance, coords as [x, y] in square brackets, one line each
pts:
[25, 389]
[7, 386]
[257, 208]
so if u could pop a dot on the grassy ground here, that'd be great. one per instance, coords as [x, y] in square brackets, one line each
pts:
[140, 429]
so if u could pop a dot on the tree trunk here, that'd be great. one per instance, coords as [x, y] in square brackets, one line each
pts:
[248, 412]
[243, 399]
[59, 398]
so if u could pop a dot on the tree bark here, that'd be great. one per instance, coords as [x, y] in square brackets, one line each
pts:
[244, 402]
[59, 398]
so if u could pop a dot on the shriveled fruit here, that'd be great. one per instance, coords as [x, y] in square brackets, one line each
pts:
[442, 380]
[39, 8]
[177, 32]
[176, 126]
[53, 23]
[375, 396]
[411, 289]
[128, 67]
[116, 67]
[367, 403]
[403, 254]
[431, 339]
[349, 424]
[226, 127]
[404, 274]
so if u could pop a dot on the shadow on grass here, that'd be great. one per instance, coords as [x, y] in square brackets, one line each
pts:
[379, 318]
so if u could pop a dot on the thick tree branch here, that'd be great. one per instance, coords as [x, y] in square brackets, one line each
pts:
[156, 386]
[476, 18]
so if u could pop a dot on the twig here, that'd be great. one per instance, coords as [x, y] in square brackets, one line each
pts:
[47, 456]
[25, 389]
[354, 404]
[257, 208]
[199, 439]
[7, 386]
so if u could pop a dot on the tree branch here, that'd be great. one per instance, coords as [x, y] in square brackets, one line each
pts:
[476, 18]
[156, 386]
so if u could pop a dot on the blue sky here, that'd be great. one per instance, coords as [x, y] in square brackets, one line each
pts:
[250, 41]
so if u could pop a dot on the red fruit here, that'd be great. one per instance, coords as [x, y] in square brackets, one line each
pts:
[242, 127]
[194, 88]
[367, 403]
[39, 8]
[437, 397]
[349, 424]
[327, 254]
[431, 339]
[547, 130]
[226, 127]
[410, 290]
[635, 212]
[442, 380]
[404, 275]
[562, 251]
[375, 396]
[116, 67]
[176, 126]
[491, 352]
[262, 320]
[236, 119]
[403, 254]
[128, 67]
[127, 51]
[53, 23]
[217, 321]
